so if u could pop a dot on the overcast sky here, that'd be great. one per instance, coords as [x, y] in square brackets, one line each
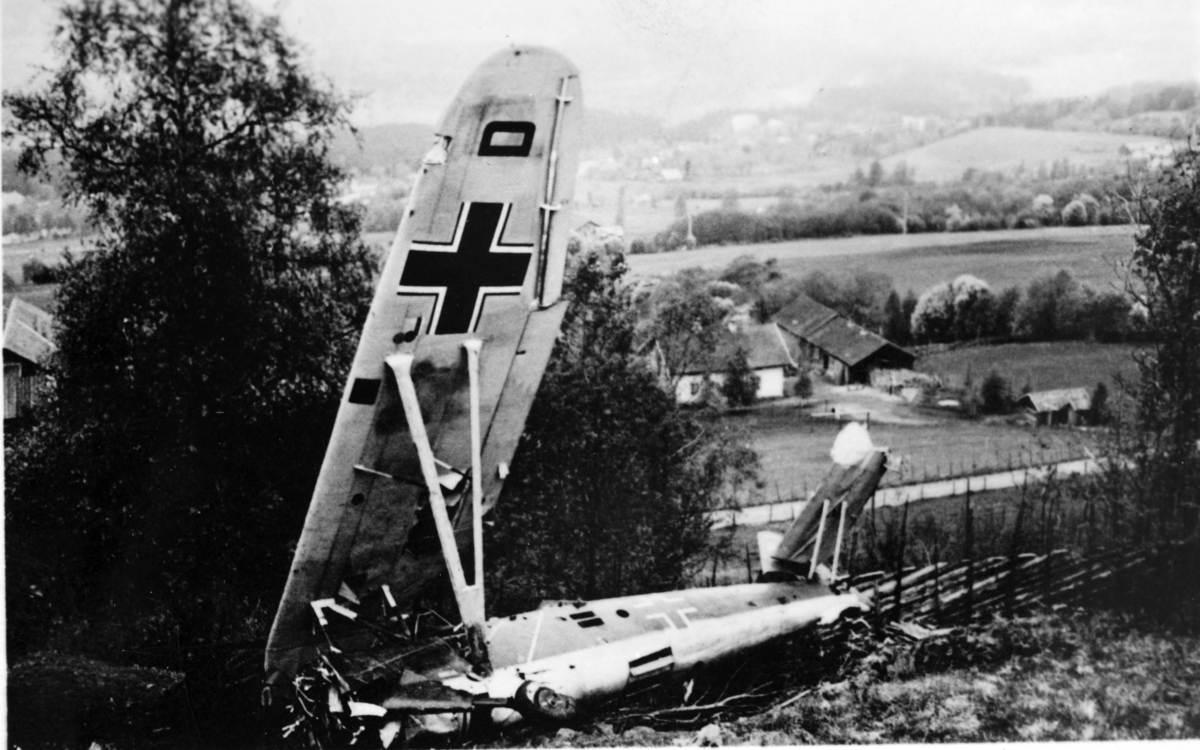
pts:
[679, 58]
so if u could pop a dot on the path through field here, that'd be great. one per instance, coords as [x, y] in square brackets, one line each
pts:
[762, 515]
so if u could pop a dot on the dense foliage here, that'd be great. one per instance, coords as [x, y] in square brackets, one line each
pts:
[612, 479]
[201, 349]
[979, 201]
[1164, 282]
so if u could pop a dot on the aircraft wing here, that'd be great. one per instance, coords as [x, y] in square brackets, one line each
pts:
[479, 256]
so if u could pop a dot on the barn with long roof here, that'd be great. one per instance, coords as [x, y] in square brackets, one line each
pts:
[844, 350]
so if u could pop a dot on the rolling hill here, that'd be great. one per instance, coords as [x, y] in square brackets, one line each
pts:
[1005, 149]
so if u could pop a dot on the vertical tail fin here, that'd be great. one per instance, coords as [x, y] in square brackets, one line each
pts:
[858, 466]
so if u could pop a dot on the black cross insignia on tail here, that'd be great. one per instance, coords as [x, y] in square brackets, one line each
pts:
[462, 272]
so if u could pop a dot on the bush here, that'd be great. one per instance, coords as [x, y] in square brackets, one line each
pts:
[803, 386]
[37, 272]
[994, 394]
[740, 387]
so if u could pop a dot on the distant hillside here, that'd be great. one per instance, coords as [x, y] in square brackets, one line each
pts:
[1005, 149]
[605, 129]
[1163, 109]
[385, 146]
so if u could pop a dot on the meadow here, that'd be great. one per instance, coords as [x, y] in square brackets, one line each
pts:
[917, 261]
[1042, 366]
[49, 252]
[1008, 149]
[794, 448]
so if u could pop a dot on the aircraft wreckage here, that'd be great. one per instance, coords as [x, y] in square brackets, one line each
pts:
[458, 335]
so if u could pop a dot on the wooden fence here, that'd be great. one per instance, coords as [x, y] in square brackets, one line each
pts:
[979, 589]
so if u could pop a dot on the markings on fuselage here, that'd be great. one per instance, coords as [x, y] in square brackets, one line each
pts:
[642, 602]
[651, 664]
[682, 614]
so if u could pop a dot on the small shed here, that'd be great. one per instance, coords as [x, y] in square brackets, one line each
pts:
[28, 340]
[1069, 406]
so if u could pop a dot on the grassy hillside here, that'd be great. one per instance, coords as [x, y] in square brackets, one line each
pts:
[1005, 149]
[1070, 675]
[917, 261]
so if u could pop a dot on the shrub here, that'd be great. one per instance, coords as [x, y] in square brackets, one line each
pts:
[803, 386]
[740, 387]
[994, 394]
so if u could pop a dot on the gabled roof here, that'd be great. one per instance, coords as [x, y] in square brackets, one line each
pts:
[826, 329]
[28, 331]
[765, 348]
[1078, 398]
[804, 314]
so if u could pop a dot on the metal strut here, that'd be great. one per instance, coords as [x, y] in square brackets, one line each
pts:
[468, 598]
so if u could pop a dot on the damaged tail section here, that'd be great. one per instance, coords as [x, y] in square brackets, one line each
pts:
[817, 534]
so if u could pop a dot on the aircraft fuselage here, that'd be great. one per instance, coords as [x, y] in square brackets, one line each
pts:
[583, 651]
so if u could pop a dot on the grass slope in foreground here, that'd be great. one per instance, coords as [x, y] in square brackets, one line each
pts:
[1067, 676]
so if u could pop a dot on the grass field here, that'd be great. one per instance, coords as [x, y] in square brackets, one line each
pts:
[49, 252]
[1043, 366]
[918, 261]
[1005, 149]
[794, 448]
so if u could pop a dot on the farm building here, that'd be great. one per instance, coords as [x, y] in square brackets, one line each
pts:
[28, 339]
[844, 350]
[766, 353]
[591, 231]
[1062, 406]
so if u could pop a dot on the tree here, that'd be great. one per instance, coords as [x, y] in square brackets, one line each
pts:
[974, 308]
[202, 348]
[1164, 282]
[740, 387]
[612, 479]
[875, 174]
[1100, 412]
[1005, 312]
[994, 394]
[933, 317]
[685, 321]
[897, 327]
[1051, 308]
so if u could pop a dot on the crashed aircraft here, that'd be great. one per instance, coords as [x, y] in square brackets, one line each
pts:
[458, 335]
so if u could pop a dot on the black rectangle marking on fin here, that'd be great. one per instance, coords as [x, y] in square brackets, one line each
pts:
[515, 139]
[364, 391]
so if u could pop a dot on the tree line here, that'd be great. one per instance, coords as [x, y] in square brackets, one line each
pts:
[893, 205]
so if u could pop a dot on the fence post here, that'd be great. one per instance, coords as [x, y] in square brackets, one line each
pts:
[1013, 552]
[900, 561]
[969, 553]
